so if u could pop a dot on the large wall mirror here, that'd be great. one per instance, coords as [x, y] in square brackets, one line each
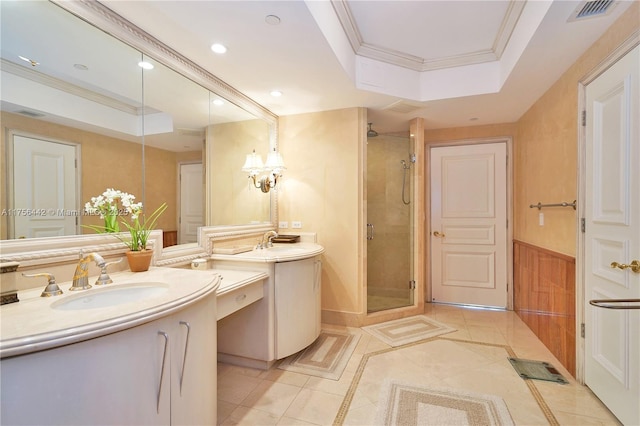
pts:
[80, 115]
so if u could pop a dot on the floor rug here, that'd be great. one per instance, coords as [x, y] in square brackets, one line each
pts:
[407, 330]
[327, 357]
[406, 404]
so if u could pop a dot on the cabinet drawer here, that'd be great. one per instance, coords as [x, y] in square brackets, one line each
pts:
[238, 298]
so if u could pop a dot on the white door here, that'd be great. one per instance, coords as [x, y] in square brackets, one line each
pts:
[469, 224]
[612, 234]
[191, 210]
[44, 188]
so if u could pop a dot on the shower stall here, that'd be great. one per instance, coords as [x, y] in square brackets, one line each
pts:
[390, 219]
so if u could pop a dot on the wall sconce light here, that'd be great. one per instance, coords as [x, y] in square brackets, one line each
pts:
[273, 169]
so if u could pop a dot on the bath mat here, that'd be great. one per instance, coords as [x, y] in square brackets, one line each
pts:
[327, 357]
[539, 370]
[406, 404]
[407, 330]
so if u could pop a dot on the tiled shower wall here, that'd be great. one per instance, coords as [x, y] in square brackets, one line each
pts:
[545, 298]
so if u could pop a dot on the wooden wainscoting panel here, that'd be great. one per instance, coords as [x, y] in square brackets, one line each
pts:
[169, 238]
[545, 298]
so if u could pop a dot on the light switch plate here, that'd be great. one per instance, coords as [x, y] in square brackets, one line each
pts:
[283, 225]
[296, 224]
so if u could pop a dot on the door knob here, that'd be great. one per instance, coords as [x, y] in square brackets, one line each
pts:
[634, 265]
[437, 234]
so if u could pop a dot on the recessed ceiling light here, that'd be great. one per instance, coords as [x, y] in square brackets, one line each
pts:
[145, 65]
[218, 102]
[272, 19]
[276, 93]
[218, 48]
[31, 61]
[80, 67]
[473, 119]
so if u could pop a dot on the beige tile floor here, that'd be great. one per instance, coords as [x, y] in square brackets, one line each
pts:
[473, 358]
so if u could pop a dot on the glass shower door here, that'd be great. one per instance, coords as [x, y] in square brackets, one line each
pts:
[390, 217]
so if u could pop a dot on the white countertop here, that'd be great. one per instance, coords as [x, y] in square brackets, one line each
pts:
[33, 324]
[278, 253]
[231, 280]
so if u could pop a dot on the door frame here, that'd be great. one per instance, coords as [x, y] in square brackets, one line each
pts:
[9, 167]
[612, 58]
[508, 140]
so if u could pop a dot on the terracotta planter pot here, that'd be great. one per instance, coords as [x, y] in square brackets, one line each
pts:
[139, 261]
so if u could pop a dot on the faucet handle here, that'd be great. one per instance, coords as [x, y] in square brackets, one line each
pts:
[51, 289]
[104, 278]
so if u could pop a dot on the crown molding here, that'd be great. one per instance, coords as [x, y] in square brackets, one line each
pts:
[97, 14]
[402, 59]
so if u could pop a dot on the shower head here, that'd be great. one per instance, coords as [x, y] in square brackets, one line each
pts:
[370, 132]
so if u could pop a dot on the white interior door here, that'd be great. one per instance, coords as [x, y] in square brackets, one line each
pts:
[469, 224]
[612, 234]
[44, 188]
[191, 208]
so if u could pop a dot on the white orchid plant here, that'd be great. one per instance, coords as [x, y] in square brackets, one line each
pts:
[111, 205]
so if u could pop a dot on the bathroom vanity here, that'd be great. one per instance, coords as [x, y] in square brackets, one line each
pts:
[141, 350]
[287, 318]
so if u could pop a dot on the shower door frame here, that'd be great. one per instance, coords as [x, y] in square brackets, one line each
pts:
[416, 130]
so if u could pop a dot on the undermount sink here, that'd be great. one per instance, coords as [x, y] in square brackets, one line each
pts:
[111, 296]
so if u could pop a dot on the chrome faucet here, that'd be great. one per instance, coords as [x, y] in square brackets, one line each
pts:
[268, 236]
[81, 276]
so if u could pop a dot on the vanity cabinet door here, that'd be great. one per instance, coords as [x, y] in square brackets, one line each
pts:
[193, 364]
[297, 298]
[108, 380]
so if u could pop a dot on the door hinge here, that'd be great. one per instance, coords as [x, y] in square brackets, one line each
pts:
[582, 330]
[583, 225]
[584, 117]
[412, 284]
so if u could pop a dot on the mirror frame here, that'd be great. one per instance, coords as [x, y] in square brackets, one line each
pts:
[41, 251]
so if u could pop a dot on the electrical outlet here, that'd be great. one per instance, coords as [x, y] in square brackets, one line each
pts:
[296, 224]
[283, 225]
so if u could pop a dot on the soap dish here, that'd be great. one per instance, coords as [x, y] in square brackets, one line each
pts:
[232, 249]
[286, 239]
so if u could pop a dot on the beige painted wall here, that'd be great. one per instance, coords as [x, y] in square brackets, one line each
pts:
[432, 136]
[322, 188]
[234, 199]
[546, 149]
[108, 163]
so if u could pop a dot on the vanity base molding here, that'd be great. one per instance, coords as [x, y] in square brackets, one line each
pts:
[240, 361]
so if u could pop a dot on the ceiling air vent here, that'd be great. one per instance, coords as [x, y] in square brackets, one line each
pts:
[592, 9]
